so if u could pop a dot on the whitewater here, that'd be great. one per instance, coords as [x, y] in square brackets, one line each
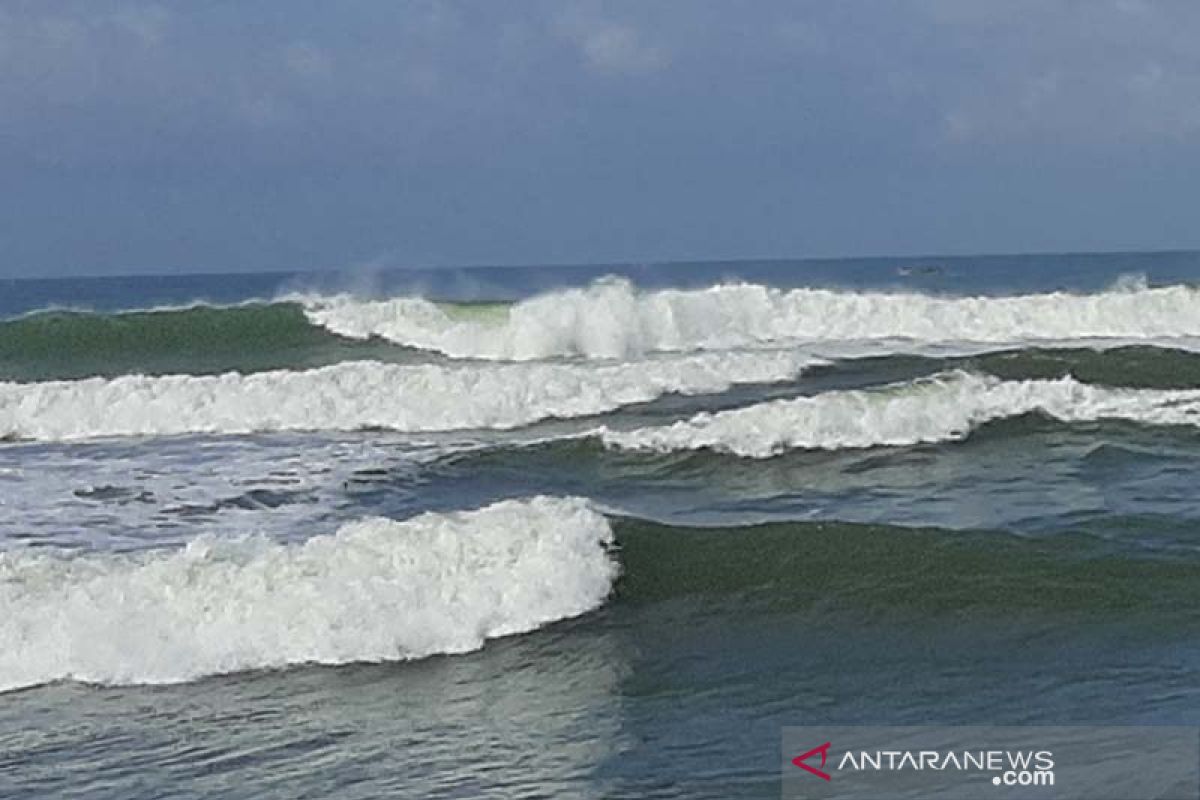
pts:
[488, 533]
[358, 395]
[939, 408]
[375, 590]
[267, 541]
[612, 318]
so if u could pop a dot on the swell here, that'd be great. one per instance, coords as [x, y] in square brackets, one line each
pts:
[1130, 366]
[831, 567]
[1140, 367]
[613, 319]
[445, 583]
[63, 345]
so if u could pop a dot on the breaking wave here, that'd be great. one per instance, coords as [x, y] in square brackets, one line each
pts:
[613, 319]
[608, 319]
[377, 590]
[944, 407]
[359, 395]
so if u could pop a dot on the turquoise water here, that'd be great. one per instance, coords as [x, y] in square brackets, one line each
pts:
[276, 535]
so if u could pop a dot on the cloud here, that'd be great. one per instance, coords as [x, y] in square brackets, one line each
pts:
[610, 48]
[195, 81]
[1094, 73]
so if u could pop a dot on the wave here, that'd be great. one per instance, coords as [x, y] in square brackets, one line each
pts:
[198, 339]
[381, 590]
[608, 319]
[834, 568]
[613, 319]
[1142, 367]
[377, 590]
[360, 395]
[943, 407]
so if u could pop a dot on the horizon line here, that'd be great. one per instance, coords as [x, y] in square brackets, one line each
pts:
[636, 264]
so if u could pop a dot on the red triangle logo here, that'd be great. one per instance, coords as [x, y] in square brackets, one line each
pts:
[800, 759]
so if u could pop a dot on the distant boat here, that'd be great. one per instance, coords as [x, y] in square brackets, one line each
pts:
[920, 269]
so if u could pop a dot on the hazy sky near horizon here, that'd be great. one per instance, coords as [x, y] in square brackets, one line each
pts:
[294, 134]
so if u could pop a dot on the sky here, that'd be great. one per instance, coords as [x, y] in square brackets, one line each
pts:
[252, 135]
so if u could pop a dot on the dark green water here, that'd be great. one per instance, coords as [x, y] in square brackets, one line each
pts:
[998, 530]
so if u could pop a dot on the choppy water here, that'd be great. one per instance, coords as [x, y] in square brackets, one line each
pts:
[585, 532]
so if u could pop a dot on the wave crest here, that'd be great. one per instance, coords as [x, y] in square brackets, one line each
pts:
[356, 395]
[944, 407]
[376, 590]
[612, 319]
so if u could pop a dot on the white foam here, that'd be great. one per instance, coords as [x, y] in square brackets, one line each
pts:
[376, 590]
[612, 319]
[945, 407]
[358, 395]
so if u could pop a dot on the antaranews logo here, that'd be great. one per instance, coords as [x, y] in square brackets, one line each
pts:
[989, 762]
[1006, 767]
[800, 760]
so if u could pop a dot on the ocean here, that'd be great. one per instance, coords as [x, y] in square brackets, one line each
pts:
[585, 531]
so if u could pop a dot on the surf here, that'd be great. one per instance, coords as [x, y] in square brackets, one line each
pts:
[944, 407]
[365, 395]
[381, 590]
[612, 318]
[375, 590]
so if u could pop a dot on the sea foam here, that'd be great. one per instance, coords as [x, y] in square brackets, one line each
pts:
[613, 319]
[376, 590]
[357, 395]
[944, 407]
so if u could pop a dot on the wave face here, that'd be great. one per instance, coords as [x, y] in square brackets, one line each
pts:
[612, 319]
[1142, 367]
[609, 319]
[941, 408]
[196, 340]
[376, 590]
[357, 395]
[838, 567]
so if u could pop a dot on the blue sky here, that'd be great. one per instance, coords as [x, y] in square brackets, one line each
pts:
[288, 134]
